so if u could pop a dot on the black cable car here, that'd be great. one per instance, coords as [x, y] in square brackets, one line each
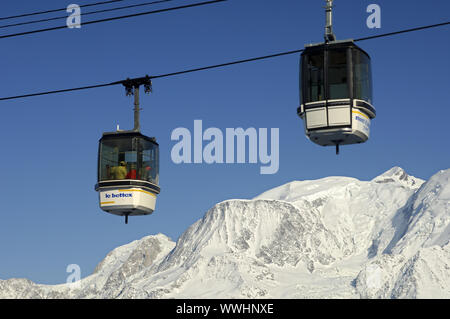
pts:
[128, 168]
[336, 91]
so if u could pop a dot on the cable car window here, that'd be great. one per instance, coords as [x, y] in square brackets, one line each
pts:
[315, 88]
[150, 163]
[108, 159]
[337, 74]
[300, 77]
[362, 76]
[128, 158]
[116, 156]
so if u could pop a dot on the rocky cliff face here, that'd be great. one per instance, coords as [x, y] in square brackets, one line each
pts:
[336, 237]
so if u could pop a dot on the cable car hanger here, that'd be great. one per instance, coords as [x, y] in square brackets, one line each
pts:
[128, 164]
[132, 88]
[329, 35]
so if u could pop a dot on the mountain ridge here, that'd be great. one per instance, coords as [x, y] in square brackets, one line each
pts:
[335, 237]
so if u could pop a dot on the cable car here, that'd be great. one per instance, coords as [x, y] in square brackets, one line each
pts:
[128, 170]
[336, 91]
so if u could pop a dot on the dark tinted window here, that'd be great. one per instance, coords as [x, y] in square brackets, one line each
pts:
[337, 74]
[362, 76]
[314, 77]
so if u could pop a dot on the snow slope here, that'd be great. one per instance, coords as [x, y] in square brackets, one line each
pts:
[336, 237]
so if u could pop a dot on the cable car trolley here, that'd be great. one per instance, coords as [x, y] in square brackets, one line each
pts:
[335, 90]
[128, 166]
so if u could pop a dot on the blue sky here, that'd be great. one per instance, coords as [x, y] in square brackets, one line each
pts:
[49, 209]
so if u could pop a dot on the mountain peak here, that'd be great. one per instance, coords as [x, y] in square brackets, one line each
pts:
[147, 248]
[399, 175]
[396, 170]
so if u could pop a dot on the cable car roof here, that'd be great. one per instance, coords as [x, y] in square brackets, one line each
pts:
[332, 45]
[127, 134]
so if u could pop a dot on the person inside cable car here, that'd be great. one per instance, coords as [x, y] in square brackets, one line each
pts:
[119, 172]
[132, 173]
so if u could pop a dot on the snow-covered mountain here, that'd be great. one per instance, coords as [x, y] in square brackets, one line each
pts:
[336, 237]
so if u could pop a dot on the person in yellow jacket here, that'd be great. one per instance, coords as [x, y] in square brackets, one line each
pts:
[119, 172]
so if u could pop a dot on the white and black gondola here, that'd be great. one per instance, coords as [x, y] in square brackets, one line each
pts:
[336, 91]
[128, 166]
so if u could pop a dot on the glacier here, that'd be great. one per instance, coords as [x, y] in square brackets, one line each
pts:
[336, 237]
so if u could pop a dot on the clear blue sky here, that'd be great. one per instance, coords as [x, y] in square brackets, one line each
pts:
[49, 209]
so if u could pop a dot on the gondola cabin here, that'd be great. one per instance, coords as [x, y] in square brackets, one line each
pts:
[128, 173]
[336, 93]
